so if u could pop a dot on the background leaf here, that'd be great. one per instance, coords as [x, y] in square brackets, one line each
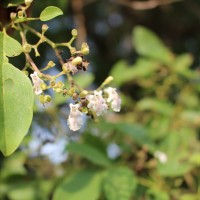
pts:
[83, 185]
[148, 44]
[119, 184]
[90, 153]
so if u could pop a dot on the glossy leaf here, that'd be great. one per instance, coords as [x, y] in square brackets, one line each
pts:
[50, 12]
[89, 152]
[119, 184]
[83, 185]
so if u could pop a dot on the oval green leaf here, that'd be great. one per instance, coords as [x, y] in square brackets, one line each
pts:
[50, 12]
[16, 107]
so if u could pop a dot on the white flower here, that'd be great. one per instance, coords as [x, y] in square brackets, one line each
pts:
[161, 156]
[75, 119]
[36, 83]
[97, 103]
[72, 68]
[113, 98]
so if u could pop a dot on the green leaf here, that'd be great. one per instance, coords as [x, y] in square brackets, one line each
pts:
[90, 153]
[148, 44]
[182, 63]
[119, 184]
[143, 68]
[50, 12]
[16, 102]
[138, 133]
[156, 105]
[83, 185]
[12, 46]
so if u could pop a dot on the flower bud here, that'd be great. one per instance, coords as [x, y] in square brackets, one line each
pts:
[71, 91]
[41, 98]
[60, 84]
[72, 50]
[47, 98]
[65, 68]
[27, 48]
[85, 49]
[43, 86]
[13, 16]
[28, 2]
[84, 110]
[51, 64]
[44, 28]
[52, 83]
[77, 61]
[20, 14]
[58, 90]
[74, 32]
[83, 93]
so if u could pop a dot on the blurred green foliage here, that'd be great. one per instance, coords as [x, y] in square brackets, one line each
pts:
[161, 112]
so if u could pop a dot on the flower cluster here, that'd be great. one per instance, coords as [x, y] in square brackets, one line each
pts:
[94, 103]
[96, 106]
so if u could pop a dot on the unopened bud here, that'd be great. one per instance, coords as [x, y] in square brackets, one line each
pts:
[77, 61]
[60, 84]
[84, 110]
[43, 86]
[28, 2]
[13, 16]
[58, 90]
[27, 48]
[52, 83]
[65, 68]
[41, 98]
[71, 91]
[51, 64]
[83, 93]
[20, 14]
[47, 98]
[74, 32]
[85, 49]
[44, 28]
[72, 50]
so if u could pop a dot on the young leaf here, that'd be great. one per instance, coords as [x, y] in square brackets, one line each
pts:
[83, 185]
[16, 102]
[119, 184]
[50, 12]
[90, 153]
